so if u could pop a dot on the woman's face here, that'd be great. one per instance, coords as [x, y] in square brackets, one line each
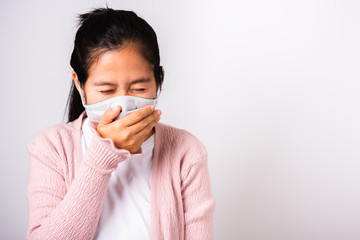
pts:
[116, 73]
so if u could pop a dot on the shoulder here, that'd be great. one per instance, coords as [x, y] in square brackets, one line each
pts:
[54, 132]
[180, 141]
[54, 137]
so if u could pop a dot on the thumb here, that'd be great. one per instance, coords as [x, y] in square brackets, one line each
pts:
[109, 116]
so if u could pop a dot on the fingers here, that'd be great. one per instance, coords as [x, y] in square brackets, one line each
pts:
[109, 116]
[145, 126]
[148, 122]
[138, 115]
[130, 131]
[144, 132]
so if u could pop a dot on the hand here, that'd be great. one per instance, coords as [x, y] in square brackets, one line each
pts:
[130, 131]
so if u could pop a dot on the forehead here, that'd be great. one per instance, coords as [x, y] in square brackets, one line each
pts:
[122, 65]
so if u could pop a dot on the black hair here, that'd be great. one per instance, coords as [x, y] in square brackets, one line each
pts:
[103, 30]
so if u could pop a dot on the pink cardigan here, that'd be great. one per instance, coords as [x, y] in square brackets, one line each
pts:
[66, 189]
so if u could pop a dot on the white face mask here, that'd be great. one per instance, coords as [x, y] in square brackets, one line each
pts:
[128, 105]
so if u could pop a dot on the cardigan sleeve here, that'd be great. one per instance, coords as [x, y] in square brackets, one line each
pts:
[198, 201]
[57, 211]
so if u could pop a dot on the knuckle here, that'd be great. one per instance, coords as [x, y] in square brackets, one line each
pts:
[154, 120]
[145, 122]
[125, 135]
[151, 126]
[131, 143]
[119, 123]
[116, 124]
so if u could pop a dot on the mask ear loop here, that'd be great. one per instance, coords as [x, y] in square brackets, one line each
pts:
[81, 96]
[157, 97]
[160, 72]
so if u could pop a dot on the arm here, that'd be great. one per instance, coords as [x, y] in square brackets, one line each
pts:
[59, 211]
[198, 202]
[56, 212]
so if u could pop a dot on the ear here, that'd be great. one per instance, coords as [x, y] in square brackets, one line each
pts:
[76, 80]
[160, 74]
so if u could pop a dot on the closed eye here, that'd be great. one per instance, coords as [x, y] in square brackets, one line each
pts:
[138, 89]
[107, 91]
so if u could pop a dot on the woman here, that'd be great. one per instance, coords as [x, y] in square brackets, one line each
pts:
[113, 171]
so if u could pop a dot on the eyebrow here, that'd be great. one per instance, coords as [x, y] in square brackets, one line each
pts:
[140, 80]
[104, 83]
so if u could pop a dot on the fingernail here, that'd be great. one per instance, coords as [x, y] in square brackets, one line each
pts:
[152, 107]
[158, 112]
[115, 108]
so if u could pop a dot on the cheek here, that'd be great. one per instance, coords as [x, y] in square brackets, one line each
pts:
[152, 91]
[92, 96]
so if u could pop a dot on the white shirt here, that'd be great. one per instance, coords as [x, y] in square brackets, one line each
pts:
[126, 208]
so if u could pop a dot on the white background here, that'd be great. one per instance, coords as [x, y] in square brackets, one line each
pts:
[270, 87]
